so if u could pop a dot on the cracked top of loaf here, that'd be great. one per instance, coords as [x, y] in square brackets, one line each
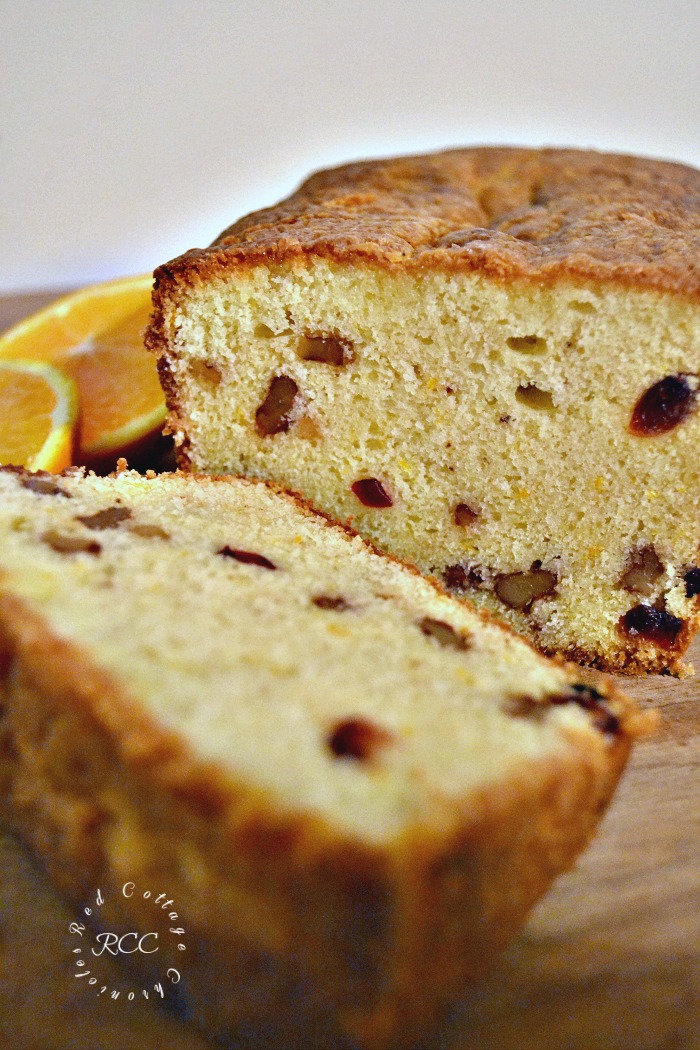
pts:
[538, 214]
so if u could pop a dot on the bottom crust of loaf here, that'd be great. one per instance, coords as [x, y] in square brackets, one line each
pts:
[343, 945]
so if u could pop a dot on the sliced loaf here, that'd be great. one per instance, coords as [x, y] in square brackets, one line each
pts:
[352, 786]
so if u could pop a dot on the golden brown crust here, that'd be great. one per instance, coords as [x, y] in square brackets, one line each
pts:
[510, 213]
[644, 659]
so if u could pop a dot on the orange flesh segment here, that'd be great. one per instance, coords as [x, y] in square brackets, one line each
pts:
[117, 382]
[28, 401]
[64, 325]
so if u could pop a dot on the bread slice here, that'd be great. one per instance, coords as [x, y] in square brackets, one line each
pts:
[352, 786]
[488, 361]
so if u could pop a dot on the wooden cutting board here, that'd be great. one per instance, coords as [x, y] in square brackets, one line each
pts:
[610, 960]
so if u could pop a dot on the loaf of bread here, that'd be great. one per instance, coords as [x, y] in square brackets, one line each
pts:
[351, 785]
[488, 361]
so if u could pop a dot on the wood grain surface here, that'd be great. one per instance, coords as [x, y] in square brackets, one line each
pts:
[610, 959]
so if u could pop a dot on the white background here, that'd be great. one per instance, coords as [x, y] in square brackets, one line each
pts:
[130, 131]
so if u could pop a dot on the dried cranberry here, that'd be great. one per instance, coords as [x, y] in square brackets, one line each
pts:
[653, 625]
[595, 703]
[247, 557]
[459, 577]
[664, 405]
[371, 493]
[455, 577]
[584, 696]
[329, 601]
[357, 738]
[692, 582]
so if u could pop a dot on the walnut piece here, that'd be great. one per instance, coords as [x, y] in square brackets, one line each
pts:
[68, 544]
[45, 486]
[149, 531]
[518, 590]
[644, 572]
[108, 518]
[371, 493]
[274, 414]
[443, 633]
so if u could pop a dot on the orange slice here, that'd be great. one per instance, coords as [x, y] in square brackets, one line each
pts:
[95, 336]
[38, 414]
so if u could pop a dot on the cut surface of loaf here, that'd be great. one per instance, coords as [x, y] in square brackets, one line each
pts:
[488, 361]
[352, 785]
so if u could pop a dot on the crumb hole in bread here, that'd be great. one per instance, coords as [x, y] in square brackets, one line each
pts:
[308, 429]
[372, 493]
[650, 624]
[518, 590]
[274, 414]
[692, 582]
[580, 306]
[65, 544]
[205, 372]
[464, 515]
[358, 738]
[263, 331]
[108, 518]
[534, 397]
[334, 602]
[665, 405]
[527, 344]
[443, 633]
[44, 486]
[643, 572]
[325, 349]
